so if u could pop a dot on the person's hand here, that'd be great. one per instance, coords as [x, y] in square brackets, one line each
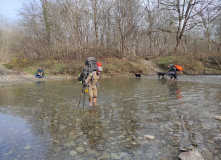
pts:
[84, 84]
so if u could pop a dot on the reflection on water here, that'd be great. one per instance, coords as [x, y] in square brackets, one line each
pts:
[174, 90]
[42, 120]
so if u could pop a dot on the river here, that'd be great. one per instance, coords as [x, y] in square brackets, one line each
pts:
[42, 120]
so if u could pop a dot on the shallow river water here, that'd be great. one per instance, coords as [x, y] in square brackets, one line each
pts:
[42, 120]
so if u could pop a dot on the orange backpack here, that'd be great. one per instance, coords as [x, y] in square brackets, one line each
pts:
[179, 68]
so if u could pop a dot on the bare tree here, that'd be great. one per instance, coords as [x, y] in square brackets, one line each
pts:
[207, 19]
[184, 11]
[127, 19]
[69, 29]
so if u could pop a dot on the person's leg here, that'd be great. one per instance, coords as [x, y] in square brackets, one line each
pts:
[175, 77]
[95, 96]
[39, 73]
[90, 101]
[171, 77]
[90, 91]
[95, 100]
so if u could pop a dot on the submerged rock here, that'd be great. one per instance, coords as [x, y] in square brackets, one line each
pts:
[62, 127]
[193, 155]
[6, 154]
[115, 156]
[149, 137]
[80, 149]
[218, 118]
[27, 147]
[73, 153]
[207, 154]
[57, 150]
[69, 144]
[105, 156]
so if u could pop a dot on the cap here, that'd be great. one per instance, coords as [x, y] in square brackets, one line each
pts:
[99, 69]
[99, 64]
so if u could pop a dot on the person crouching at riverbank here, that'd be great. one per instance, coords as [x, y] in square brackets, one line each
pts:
[40, 72]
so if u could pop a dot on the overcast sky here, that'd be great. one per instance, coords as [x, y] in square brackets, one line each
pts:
[8, 8]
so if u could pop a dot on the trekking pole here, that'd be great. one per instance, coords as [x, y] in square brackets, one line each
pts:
[81, 96]
[84, 97]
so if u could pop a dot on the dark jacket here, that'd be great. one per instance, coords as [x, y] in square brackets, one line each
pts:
[172, 69]
[40, 71]
[172, 72]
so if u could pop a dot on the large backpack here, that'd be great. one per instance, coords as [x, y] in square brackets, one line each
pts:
[179, 68]
[91, 63]
[90, 66]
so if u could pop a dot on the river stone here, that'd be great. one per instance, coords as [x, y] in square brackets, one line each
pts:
[57, 150]
[139, 138]
[149, 137]
[85, 143]
[105, 156]
[210, 141]
[6, 154]
[72, 137]
[71, 133]
[112, 132]
[216, 158]
[139, 142]
[73, 153]
[134, 143]
[62, 127]
[193, 155]
[220, 103]
[56, 141]
[149, 154]
[80, 149]
[115, 156]
[170, 129]
[137, 152]
[177, 123]
[121, 137]
[218, 118]
[123, 154]
[207, 154]
[69, 144]
[27, 147]
[80, 133]
[104, 136]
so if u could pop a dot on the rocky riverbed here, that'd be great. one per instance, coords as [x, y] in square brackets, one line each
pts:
[147, 120]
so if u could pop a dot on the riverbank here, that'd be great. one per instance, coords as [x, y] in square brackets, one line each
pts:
[112, 66]
[192, 64]
[22, 71]
[8, 77]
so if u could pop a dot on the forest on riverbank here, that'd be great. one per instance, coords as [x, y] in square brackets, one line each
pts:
[60, 35]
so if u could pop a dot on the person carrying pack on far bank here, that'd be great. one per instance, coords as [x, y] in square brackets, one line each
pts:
[90, 77]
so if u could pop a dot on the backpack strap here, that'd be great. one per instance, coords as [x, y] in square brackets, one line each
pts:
[93, 79]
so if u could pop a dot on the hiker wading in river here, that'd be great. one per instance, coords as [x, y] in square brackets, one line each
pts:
[92, 80]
